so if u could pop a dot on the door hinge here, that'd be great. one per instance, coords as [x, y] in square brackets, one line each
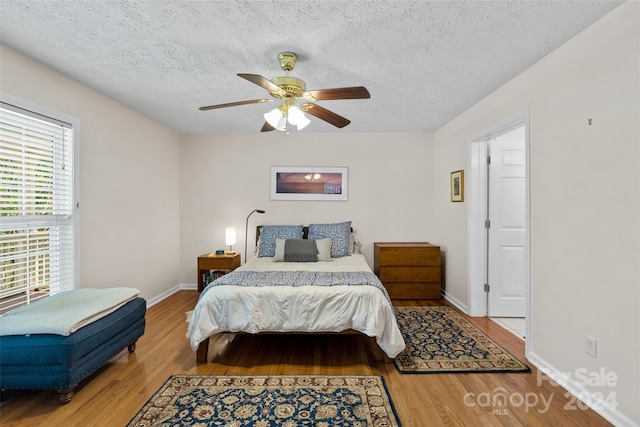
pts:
[488, 160]
[487, 223]
[486, 287]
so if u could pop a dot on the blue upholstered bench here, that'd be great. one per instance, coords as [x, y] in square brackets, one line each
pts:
[58, 362]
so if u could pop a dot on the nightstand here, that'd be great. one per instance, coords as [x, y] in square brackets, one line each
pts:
[409, 270]
[208, 262]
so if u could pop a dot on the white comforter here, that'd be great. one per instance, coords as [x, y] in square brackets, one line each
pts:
[298, 309]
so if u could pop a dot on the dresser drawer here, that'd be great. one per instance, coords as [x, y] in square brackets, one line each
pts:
[409, 274]
[415, 256]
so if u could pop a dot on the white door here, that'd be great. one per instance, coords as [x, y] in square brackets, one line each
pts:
[507, 242]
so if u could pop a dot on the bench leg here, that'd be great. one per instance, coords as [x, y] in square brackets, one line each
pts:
[64, 396]
[203, 351]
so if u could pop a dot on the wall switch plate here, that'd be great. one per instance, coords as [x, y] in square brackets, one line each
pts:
[590, 346]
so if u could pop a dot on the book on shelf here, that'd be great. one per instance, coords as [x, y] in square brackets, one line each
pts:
[212, 275]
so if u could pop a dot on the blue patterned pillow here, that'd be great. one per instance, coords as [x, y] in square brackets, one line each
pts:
[338, 233]
[270, 233]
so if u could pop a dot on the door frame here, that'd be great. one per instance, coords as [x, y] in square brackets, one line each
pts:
[476, 186]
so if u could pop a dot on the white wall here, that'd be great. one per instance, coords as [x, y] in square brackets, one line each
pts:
[225, 177]
[585, 201]
[129, 181]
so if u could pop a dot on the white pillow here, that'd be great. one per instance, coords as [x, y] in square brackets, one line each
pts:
[324, 249]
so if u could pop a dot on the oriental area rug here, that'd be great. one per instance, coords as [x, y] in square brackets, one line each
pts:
[261, 401]
[440, 340]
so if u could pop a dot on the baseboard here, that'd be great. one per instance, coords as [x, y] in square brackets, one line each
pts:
[583, 397]
[166, 294]
[456, 302]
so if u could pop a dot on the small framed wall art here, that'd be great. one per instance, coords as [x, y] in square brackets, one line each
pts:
[309, 183]
[457, 186]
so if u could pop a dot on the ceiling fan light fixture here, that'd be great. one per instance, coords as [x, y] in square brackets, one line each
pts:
[278, 119]
[273, 117]
[297, 117]
[282, 124]
[303, 123]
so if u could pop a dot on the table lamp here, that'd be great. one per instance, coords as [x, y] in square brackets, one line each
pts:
[230, 238]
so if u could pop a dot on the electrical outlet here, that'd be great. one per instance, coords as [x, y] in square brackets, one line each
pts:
[590, 346]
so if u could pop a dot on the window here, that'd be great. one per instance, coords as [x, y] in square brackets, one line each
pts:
[36, 207]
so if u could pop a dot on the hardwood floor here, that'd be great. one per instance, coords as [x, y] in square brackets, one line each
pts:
[113, 395]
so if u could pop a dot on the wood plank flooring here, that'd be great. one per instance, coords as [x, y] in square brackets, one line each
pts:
[113, 395]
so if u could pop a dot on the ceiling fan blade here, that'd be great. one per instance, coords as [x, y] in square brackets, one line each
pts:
[355, 92]
[263, 82]
[233, 104]
[267, 127]
[326, 115]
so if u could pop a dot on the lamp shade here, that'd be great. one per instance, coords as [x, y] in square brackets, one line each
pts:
[297, 117]
[274, 118]
[230, 236]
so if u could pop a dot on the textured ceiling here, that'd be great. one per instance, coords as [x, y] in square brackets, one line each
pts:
[424, 62]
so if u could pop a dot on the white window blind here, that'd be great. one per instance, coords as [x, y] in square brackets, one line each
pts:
[36, 207]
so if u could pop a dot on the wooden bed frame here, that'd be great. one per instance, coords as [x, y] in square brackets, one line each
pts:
[202, 354]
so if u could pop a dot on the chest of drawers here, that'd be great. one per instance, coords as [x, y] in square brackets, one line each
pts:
[409, 270]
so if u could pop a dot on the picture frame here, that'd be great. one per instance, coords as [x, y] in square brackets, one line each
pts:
[457, 186]
[309, 183]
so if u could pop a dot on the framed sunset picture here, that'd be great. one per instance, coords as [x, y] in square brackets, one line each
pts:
[309, 183]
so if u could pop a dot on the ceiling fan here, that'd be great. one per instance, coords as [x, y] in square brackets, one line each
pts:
[290, 91]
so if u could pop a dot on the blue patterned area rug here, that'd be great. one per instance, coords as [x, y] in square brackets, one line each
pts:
[261, 401]
[440, 340]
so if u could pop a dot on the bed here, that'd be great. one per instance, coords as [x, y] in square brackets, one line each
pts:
[286, 288]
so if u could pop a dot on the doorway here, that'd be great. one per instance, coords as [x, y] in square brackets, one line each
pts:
[506, 225]
[498, 194]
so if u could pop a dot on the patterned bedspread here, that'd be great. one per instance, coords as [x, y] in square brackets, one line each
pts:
[299, 278]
